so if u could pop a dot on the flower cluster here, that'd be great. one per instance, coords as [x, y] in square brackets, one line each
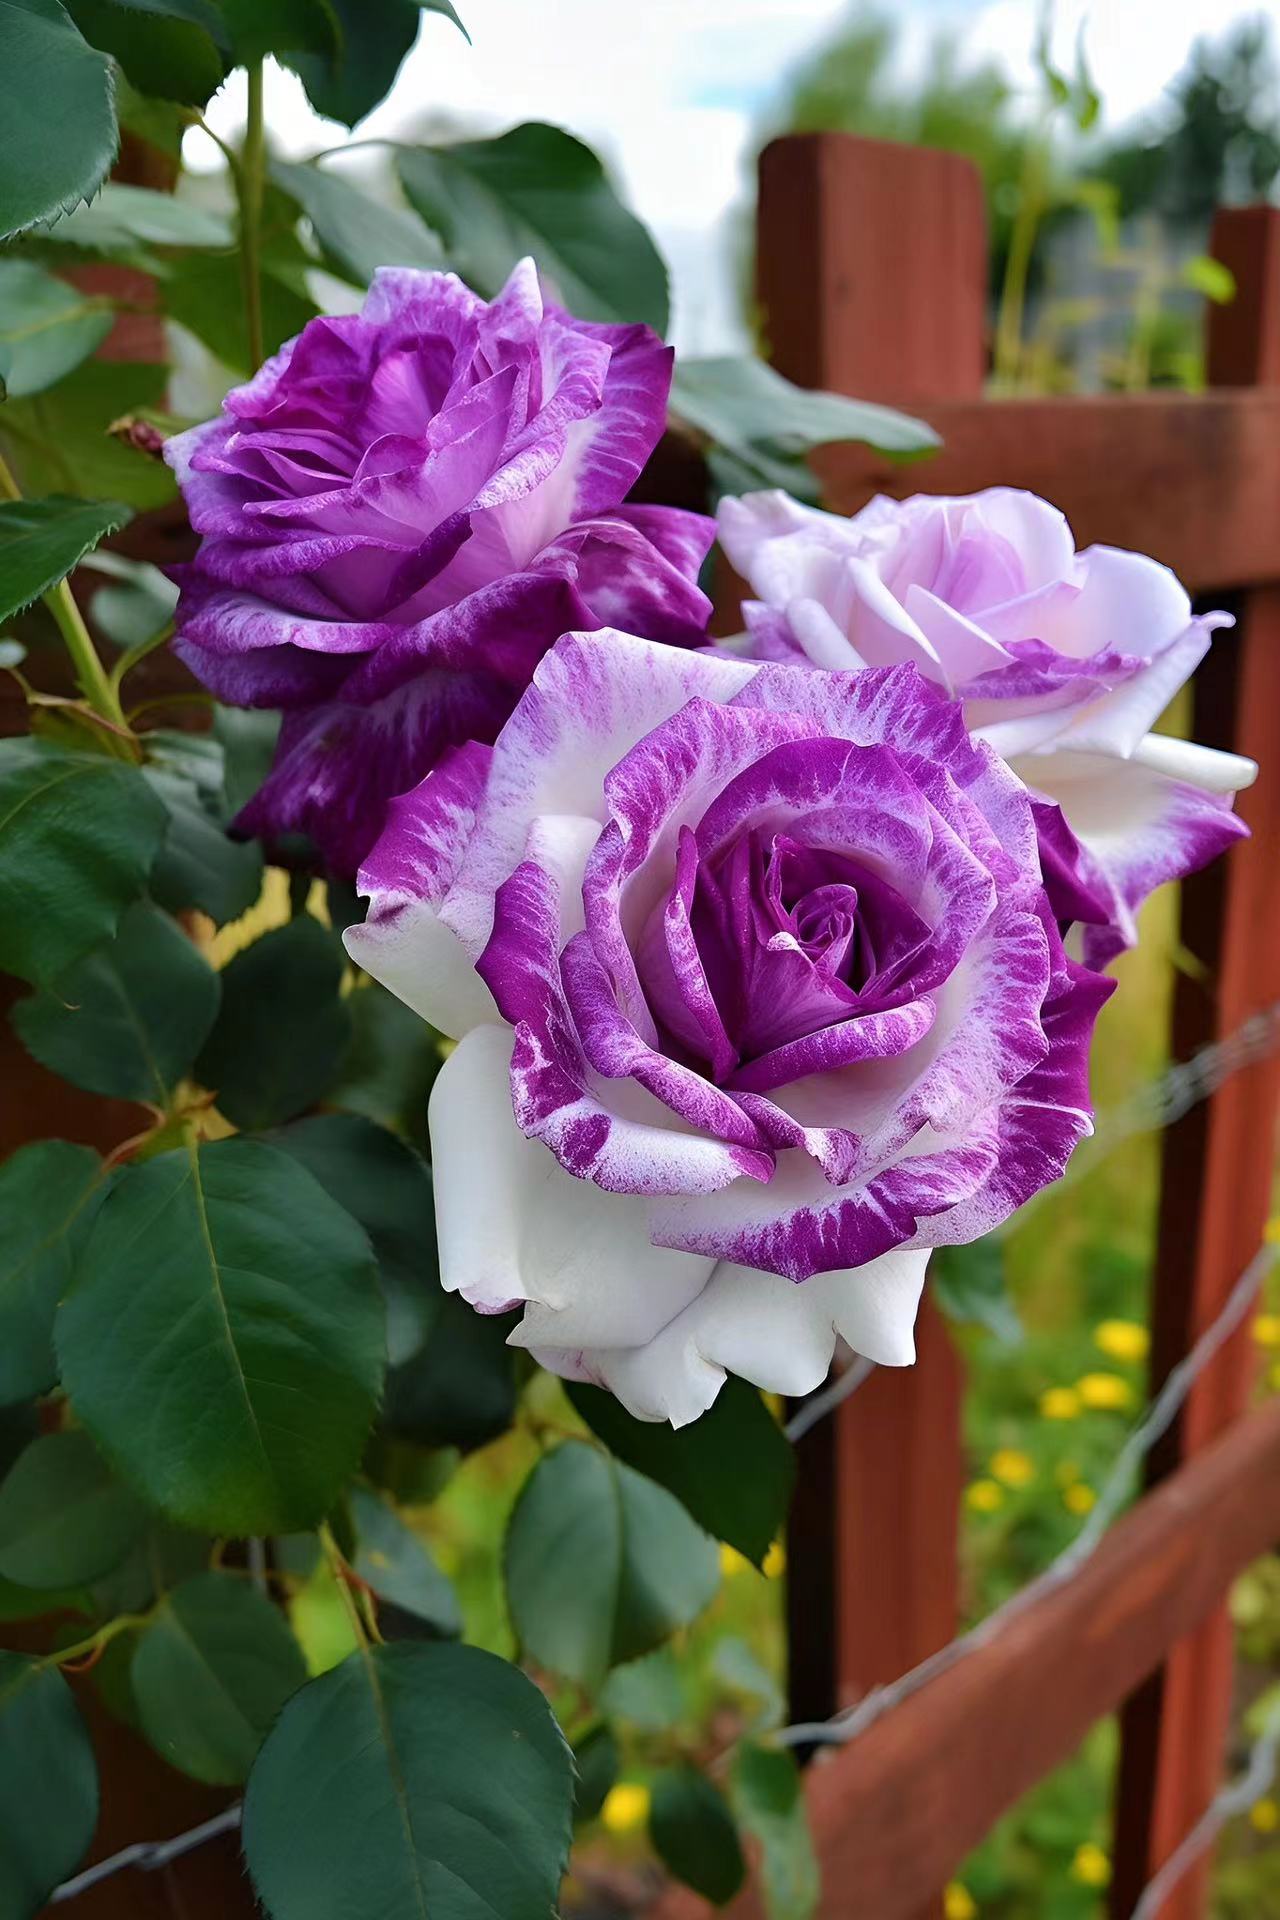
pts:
[400, 512]
[771, 967]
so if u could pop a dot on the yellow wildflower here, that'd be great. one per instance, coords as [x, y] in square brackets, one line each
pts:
[1271, 1232]
[775, 1561]
[1266, 1329]
[1091, 1866]
[1078, 1498]
[985, 1496]
[1060, 1403]
[1273, 1376]
[1105, 1392]
[626, 1807]
[1264, 1816]
[958, 1903]
[1012, 1467]
[1122, 1339]
[732, 1562]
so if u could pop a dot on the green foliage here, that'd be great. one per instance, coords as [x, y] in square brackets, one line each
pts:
[78, 833]
[459, 1389]
[47, 1194]
[130, 1020]
[198, 865]
[169, 49]
[733, 1471]
[257, 1303]
[41, 540]
[46, 328]
[210, 1673]
[356, 234]
[694, 1834]
[596, 1761]
[761, 426]
[43, 1745]
[768, 1799]
[391, 1559]
[429, 1779]
[259, 27]
[64, 1517]
[56, 107]
[536, 190]
[59, 441]
[282, 1028]
[123, 220]
[628, 1565]
[375, 37]
[969, 1284]
[386, 1186]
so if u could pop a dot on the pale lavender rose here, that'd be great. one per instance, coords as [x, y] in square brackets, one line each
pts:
[758, 997]
[400, 512]
[1063, 662]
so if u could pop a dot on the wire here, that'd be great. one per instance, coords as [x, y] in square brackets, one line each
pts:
[149, 1855]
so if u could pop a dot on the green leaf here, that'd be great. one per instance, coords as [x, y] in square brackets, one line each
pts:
[376, 36]
[203, 293]
[130, 1020]
[59, 441]
[391, 1558]
[651, 1694]
[168, 49]
[47, 1192]
[260, 27]
[733, 1469]
[210, 1673]
[257, 1304]
[694, 1835]
[969, 1284]
[429, 1780]
[1205, 275]
[536, 190]
[736, 1667]
[357, 233]
[161, 1557]
[64, 1517]
[391, 1067]
[768, 1799]
[459, 1390]
[121, 219]
[387, 1187]
[597, 1762]
[282, 1030]
[601, 1564]
[199, 865]
[47, 1770]
[78, 833]
[57, 110]
[758, 417]
[135, 604]
[46, 327]
[41, 541]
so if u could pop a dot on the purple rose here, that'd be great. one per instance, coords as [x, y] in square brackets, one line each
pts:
[755, 982]
[1063, 661]
[400, 512]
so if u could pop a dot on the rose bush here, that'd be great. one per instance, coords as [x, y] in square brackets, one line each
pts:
[400, 512]
[1063, 662]
[755, 983]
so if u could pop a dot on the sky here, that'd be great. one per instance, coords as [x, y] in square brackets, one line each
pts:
[670, 92]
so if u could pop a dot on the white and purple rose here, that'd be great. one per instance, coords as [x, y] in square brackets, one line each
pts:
[759, 997]
[400, 512]
[1063, 662]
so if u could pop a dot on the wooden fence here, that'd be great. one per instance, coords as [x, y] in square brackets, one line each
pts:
[872, 273]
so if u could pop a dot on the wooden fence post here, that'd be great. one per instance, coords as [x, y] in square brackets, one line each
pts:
[1218, 1161]
[871, 273]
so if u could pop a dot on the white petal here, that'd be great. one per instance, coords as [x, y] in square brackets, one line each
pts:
[513, 1225]
[409, 949]
[777, 1333]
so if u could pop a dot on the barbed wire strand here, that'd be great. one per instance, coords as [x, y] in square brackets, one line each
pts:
[150, 1855]
[1236, 1797]
[828, 1398]
[852, 1721]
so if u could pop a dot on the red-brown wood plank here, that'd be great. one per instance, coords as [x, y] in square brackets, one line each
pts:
[1219, 1162]
[1192, 478]
[871, 272]
[895, 1813]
